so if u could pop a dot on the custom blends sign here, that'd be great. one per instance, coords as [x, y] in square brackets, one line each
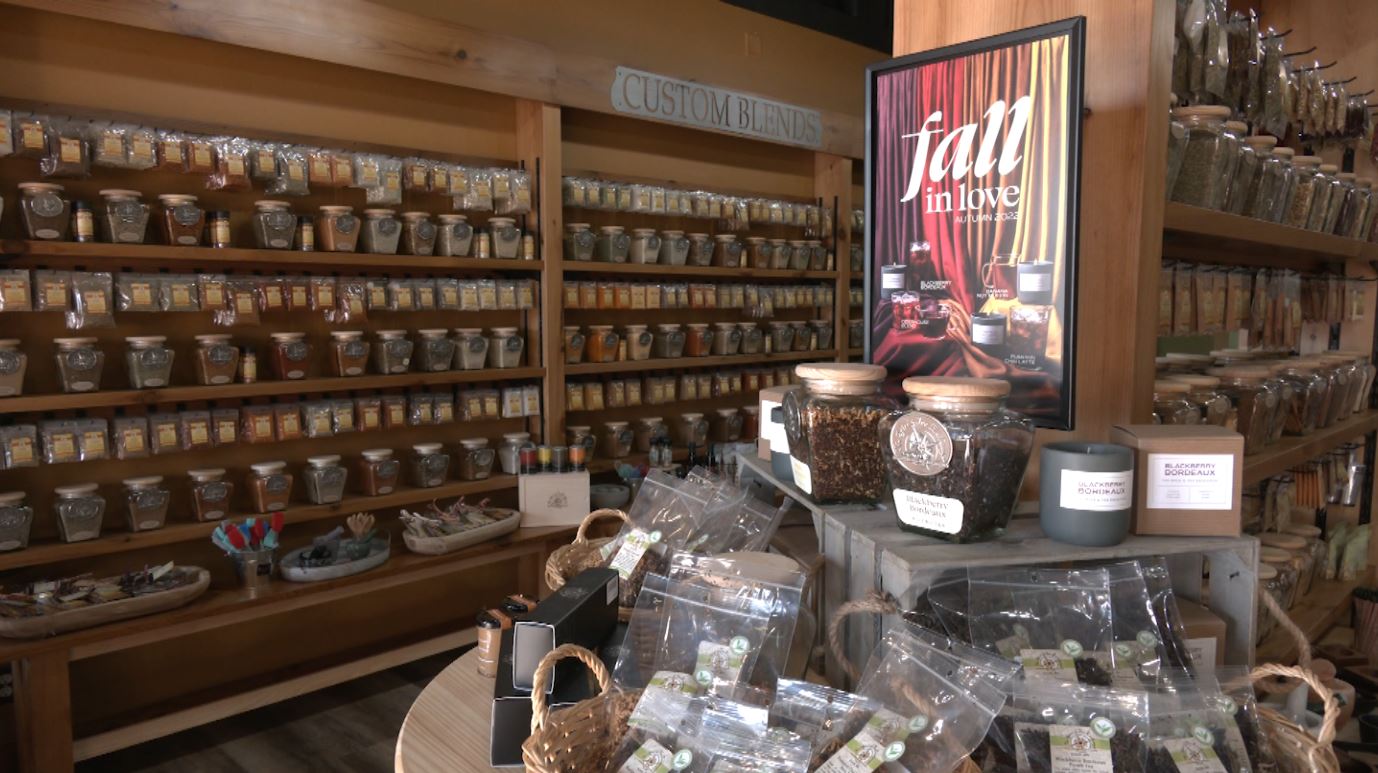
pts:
[972, 164]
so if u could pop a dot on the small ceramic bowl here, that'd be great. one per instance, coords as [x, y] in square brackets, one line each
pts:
[609, 495]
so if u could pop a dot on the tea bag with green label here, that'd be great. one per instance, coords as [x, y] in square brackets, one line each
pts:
[1047, 728]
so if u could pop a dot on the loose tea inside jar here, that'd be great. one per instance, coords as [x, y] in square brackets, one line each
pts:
[831, 425]
[956, 459]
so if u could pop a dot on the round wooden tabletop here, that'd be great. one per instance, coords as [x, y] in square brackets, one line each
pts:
[447, 728]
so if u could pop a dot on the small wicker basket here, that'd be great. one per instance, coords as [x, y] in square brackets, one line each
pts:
[582, 737]
[567, 561]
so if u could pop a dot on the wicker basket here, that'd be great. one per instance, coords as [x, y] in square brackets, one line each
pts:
[582, 737]
[1296, 750]
[567, 561]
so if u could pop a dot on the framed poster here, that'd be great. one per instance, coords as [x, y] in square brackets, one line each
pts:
[973, 162]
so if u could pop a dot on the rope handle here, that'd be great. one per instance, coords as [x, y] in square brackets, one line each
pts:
[1332, 704]
[1285, 620]
[580, 538]
[873, 603]
[540, 708]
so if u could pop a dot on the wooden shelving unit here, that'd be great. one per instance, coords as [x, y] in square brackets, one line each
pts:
[690, 272]
[1292, 451]
[1328, 603]
[1203, 234]
[679, 363]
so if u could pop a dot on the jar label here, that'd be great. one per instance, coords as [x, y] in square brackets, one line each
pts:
[1035, 281]
[508, 233]
[512, 344]
[734, 249]
[584, 240]
[330, 476]
[434, 464]
[926, 511]
[802, 478]
[479, 345]
[81, 359]
[296, 351]
[277, 484]
[354, 350]
[575, 343]
[86, 509]
[46, 205]
[220, 354]
[462, 231]
[10, 363]
[425, 230]
[483, 457]
[621, 242]
[346, 224]
[155, 358]
[1097, 491]
[398, 349]
[13, 517]
[388, 226]
[921, 444]
[387, 469]
[644, 338]
[127, 212]
[153, 499]
[186, 214]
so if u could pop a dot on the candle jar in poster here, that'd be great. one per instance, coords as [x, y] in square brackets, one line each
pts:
[934, 318]
[988, 333]
[146, 502]
[80, 509]
[16, 521]
[999, 277]
[210, 494]
[324, 479]
[904, 311]
[956, 459]
[1036, 283]
[1027, 339]
[378, 472]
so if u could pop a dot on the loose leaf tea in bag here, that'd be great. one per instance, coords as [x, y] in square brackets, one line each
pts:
[1194, 727]
[1138, 653]
[1171, 630]
[1050, 729]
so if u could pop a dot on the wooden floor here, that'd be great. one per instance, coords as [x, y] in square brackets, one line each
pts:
[349, 728]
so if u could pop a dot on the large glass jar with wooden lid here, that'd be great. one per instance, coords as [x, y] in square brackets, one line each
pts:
[1328, 186]
[1252, 402]
[1337, 386]
[1303, 411]
[1203, 394]
[831, 424]
[1283, 201]
[1246, 168]
[956, 458]
[1286, 393]
[1298, 553]
[1170, 404]
[1259, 199]
[1340, 193]
[1314, 546]
[1364, 372]
[1354, 211]
[1346, 387]
[1306, 181]
[1210, 157]
[1281, 560]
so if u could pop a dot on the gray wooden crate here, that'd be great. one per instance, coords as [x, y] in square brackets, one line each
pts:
[865, 550]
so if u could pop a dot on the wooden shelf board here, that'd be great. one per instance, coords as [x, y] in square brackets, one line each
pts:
[855, 351]
[1205, 232]
[1291, 451]
[228, 606]
[126, 397]
[1315, 613]
[24, 252]
[631, 366]
[119, 542]
[656, 269]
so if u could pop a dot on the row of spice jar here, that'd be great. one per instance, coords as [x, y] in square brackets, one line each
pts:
[1270, 303]
[122, 218]
[660, 390]
[762, 300]
[612, 244]
[79, 508]
[1213, 163]
[68, 147]
[149, 360]
[618, 439]
[601, 343]
[744, 211]
[1261, 397]
[90, 298]
[62, 441]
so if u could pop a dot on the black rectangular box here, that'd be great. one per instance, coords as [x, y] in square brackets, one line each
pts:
[510, 725]
[582, 612]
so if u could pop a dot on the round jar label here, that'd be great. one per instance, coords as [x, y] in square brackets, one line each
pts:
[80, 359]
[621, 242]
[398, 349]
[10, 363]
[296, 351]
[186, 214]
[46, 205]
[652, 243]
[425, 230]
[149, 500]
[440, 349]
[331, 476]
[508, 233]
[734, 336]
[462, 231]
[576, 342]
[610, 340]
[483, 457]
[584, 240]
[434, 464]
[513, 344]
[278, 221]
[214, 492]
[355, 349]
[277, 484]
[644, 338]
[480, 345]
[388, 226]
[12, 517]
[676, 338]
[82, 509]
[387, 469]
[921, 444]
[346, 224]
[155, 358]
[734, 249]
[127, 212]
[220, 354]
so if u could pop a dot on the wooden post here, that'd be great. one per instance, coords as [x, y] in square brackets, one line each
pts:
[833, 185]
[43, 712]
[538, 145]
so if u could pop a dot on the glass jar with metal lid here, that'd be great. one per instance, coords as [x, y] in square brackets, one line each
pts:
[381, 232]
[700, 250]
[392, 352]
[80, 509]
[453, 236]
[149, 361]
[1298, 553]
[506, 236]
[44, 211]
[124, 219]
[612, 244]
[1210, 157]
[1246, 168]
[471, 348]
[831, 424]
[337, 229]
[1252, 402]
[1306, 183]
[429, 465]
[1213, 406]
[1281, 561]
[579, 241]
[419, 234]
[1328, 188]
[955, 459]
[1303, 411]
[1345, 387]
[1170, 404]
[274, 225]
[669, 341]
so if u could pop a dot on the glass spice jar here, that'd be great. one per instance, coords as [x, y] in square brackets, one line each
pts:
[1327, 188]
[579, 242]
[1288, 186]
[779, 254]
[674, 248]
[218, 229]
[291, 355]
[1252, 401]
[752, 338]
[612, 245]
[1170, 404]
[822, 334]
[337, 229]
[691, 430]
[306, 234]
[325, 479]
[429, 465]
[506, 237]
[435, 351]
[726, 425]
[803, 337]
[727, 251]
[1303, 411]
[13, 364]
[1298, 555]
[669, 341]
[1269, 181]
[649, 431]
[757, 252]
[618, 438]
[638, 342]
[1354, 211]
[727, 339]
[645, 246]
[380, 232]
[956, 459]
[378, 472]
[80, 509]
[16, 521]
[274, 225]
[453, 236]
[505, 348]
[418, 234]
[210, 494]
[182, 221]
[1306, 176]
[799, 255]
[509, 453]
[1341, 192]
[1210, 157]
[601, 345]
[1351, 381]
[270, 488]
[475, 459]
[44, 211]
[392, 352]
[831, 424]
[124, 219]
[79, 364]
[698, 340]
[349, 353]
[781, 337]
[1281, 561]
[216, 360]
[146, 503]
[700, 250]
[1246, 168]
[149, 361]
[1363, 222]
[1212, 406]
[1314, 546]
[471, 348]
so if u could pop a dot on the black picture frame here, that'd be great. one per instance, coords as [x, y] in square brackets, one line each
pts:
[1075, 30]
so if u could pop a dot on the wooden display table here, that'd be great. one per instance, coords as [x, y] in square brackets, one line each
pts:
[447, 728]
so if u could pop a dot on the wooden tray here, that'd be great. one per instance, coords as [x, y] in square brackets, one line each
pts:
[378, 552]
[435, 546]
[54, 623]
